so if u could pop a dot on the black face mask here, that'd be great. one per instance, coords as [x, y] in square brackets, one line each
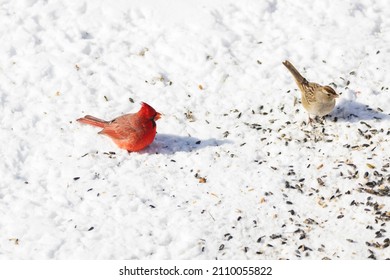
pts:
[153, 121]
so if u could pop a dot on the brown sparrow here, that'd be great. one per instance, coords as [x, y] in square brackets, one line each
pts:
[316, 99]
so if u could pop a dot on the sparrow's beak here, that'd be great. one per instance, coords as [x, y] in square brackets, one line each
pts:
[157, 116]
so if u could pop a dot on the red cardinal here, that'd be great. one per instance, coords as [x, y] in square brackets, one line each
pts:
[132, 132]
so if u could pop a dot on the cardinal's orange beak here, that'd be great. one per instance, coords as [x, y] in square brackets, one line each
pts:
[157, 116]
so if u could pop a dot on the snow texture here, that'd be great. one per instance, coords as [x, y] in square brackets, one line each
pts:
[234, 172]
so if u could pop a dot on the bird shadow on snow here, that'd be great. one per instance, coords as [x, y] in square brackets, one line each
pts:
[170, 144]
[352, 111]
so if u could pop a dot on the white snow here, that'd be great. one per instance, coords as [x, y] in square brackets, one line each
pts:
[233, 172]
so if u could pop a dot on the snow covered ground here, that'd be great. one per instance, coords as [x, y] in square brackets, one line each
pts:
[233, 173]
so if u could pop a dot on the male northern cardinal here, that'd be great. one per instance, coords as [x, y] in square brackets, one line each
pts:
[132, 132]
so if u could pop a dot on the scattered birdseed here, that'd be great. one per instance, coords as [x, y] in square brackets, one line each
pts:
[370, 166]
[260, 239]
[15, 240]
[202, 180]
[275, 236]
[320, 182]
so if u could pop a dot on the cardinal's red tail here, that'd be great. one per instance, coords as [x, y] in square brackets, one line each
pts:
[92, 121]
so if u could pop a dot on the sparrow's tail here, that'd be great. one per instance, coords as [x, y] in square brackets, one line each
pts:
[92, 121]
[298, 77]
